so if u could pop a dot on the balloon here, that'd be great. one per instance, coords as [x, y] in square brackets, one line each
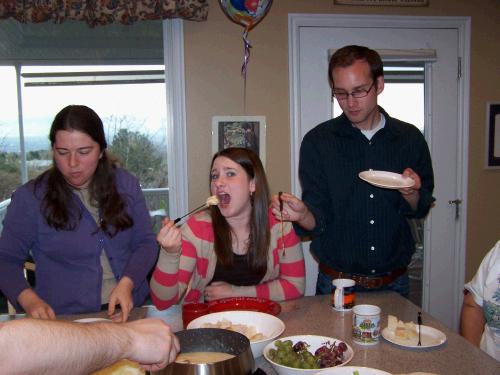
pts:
[247, 13]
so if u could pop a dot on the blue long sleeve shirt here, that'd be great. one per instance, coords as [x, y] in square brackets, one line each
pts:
[361, 228]
[68, 268]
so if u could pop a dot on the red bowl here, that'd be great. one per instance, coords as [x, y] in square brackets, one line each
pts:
[245, 303]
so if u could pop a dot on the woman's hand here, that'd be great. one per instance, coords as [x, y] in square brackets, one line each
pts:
[217, 290]
[121, 295]
[169, 237]
[34, 306]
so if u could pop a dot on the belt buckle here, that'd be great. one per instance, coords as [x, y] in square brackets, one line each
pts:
[373, 282]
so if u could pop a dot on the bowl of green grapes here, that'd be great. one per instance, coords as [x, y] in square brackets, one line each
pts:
[306, 354]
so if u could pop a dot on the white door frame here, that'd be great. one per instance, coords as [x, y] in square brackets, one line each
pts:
[462, 24]
[173, 52]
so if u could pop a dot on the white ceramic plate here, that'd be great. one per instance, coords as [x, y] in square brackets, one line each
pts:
[430, 337]
[349, 370]
[92, 320]
[388, 180]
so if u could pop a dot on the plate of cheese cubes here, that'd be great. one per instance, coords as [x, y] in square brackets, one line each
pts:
[406, 334]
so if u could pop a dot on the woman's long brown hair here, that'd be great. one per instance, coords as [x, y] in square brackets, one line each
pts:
[259, 239]
[58, 204]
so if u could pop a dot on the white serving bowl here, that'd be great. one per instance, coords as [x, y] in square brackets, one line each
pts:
[269, 325]
[349, 370]
[315, 342]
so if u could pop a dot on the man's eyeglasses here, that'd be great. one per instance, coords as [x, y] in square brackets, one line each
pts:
[359, 93]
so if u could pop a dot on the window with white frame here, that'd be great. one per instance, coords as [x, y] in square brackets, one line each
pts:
[130, 99]
[104, 68]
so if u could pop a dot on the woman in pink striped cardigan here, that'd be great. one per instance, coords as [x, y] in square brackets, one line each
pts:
[236, 248]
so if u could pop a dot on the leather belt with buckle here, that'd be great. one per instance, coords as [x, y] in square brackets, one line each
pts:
[367, 282]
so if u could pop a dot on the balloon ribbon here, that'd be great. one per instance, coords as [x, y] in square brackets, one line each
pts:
[246, 57]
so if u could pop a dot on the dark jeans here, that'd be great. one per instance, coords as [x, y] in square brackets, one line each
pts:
[400, 285]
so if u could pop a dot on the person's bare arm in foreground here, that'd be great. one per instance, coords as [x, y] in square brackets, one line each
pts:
[29, 346]
[472, 320]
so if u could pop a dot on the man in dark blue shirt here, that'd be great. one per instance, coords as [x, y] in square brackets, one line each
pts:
[358, 230]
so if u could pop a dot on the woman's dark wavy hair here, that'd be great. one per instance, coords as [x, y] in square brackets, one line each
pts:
[346, 56]
[58, 205]
[259, 238]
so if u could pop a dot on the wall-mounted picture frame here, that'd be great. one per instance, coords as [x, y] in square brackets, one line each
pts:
[240, 131]
[493, 135]
[401, 3]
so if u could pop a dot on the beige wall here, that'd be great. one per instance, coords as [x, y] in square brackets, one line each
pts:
[213, 58]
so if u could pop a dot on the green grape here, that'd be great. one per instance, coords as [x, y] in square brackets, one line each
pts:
[306, 365]
[272, 353]
[311, 360]
[281, 354]
[288, 343]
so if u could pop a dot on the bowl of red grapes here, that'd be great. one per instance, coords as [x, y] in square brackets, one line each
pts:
[306, 354]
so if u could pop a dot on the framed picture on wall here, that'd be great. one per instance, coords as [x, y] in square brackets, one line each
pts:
[240, 131]
[493, 135]
[401, 3]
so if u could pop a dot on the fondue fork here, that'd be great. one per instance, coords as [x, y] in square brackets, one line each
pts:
[211, 201]
[419, 322]
[282, 226]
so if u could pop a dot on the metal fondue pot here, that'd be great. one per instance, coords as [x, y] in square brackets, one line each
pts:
[213, 340]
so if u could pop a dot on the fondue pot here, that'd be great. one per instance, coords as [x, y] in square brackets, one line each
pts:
[213, 340]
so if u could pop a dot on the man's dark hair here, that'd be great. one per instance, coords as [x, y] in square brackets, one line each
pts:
[346, 56]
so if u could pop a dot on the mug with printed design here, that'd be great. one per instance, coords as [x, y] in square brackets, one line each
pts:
[366, 324]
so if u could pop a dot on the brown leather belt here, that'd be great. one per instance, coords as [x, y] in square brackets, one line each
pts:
[364, 281]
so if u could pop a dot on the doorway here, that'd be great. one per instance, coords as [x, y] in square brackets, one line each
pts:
[311, 37]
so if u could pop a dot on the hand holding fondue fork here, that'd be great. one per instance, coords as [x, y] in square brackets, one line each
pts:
[169, 237]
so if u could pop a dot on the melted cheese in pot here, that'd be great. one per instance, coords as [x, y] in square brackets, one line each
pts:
[202, 357]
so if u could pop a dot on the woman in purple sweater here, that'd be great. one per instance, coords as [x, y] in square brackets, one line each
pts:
[86, 225]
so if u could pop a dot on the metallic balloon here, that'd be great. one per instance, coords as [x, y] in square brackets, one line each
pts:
[247, 13]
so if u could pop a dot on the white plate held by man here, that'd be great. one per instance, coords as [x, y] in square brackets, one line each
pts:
[387, 180]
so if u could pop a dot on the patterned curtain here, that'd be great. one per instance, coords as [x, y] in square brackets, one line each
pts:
[102, 12]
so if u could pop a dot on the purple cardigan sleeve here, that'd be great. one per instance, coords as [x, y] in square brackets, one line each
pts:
[144, 249]
[19, 231]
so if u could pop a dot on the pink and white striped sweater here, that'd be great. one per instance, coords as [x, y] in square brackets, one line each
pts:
[184, 276]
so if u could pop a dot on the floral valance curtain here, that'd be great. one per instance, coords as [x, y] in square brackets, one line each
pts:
[102, 12]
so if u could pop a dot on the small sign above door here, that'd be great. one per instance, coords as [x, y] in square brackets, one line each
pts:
[400, 3]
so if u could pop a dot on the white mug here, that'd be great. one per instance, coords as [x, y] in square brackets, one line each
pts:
[366, 324]
[343, 295]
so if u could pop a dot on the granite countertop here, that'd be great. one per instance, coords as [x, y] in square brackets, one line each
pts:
[314, 316]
